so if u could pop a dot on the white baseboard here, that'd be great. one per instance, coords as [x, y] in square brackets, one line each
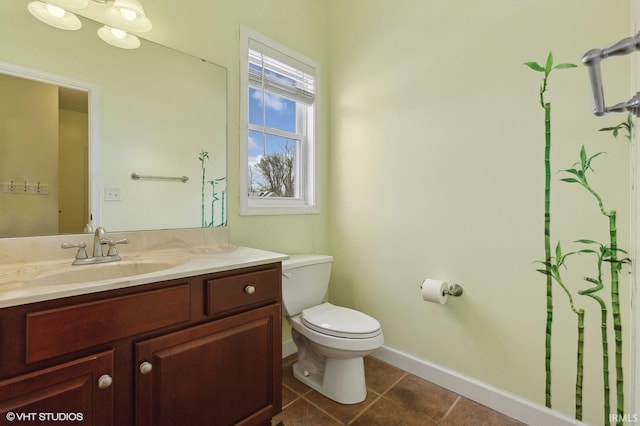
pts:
[288, 348]
[506, 403]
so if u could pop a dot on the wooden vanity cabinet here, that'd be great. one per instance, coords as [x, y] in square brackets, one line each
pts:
[205, 350]
[182, 373]
[78, 392]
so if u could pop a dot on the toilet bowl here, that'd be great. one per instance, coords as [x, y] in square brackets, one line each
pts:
[331, 340]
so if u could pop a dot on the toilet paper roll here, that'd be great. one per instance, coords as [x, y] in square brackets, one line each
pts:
[434, 291]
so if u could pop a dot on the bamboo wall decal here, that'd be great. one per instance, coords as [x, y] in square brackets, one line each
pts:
[554, 267]
[615, 308]
[202, 156]
[601, 254]
[547, 239]
[215, 198]
[546, 69]
[608, 254]
[616, 266]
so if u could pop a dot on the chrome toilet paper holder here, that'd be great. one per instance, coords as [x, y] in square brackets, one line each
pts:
[453, 290]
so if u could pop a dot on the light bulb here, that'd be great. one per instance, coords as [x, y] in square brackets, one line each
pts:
[56, 11]
[118, 38]
[55, 16]
[119, 34]
[128, 14]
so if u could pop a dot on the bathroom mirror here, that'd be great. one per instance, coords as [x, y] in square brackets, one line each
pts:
[152, 111]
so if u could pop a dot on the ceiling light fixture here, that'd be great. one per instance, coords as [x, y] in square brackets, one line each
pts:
[55, 16]
[120, 18]
[129, 16]
[118, 38]
[69, 4]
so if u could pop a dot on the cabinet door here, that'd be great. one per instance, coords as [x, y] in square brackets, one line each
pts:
[78, 392]
[220, 373]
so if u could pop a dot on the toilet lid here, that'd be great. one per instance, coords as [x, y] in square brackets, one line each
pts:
[340, 322]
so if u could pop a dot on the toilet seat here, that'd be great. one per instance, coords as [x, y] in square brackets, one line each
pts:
[340, 322]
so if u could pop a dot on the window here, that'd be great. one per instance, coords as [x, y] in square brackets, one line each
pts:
[278, 105]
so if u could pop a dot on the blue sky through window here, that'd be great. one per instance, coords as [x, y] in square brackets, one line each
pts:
[271, 111]
[278, 103]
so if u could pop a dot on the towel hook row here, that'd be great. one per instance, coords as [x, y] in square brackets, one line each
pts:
[24, 188]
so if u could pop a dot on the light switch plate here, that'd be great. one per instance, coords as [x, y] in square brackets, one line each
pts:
[111, 193]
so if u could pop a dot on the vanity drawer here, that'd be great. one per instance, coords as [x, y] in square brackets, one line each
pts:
[242, 290]
[63, 330]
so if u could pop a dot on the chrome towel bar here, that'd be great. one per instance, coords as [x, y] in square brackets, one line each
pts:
[136, 176]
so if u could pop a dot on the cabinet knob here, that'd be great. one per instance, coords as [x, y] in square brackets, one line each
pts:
[146, 367]
[105, 381]
[249, 289]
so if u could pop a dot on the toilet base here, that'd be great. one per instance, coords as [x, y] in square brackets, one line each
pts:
[342, 381]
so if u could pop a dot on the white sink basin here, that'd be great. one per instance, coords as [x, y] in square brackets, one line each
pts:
[100, 272]
[42, 275]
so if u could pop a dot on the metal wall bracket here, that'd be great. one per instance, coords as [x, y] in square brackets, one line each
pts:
[592, 60]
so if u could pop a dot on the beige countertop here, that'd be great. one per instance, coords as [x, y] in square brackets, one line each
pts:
[23, 281]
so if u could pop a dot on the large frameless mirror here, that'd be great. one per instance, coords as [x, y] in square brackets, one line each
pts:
[93, 134]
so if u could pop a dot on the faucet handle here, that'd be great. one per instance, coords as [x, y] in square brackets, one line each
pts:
[112, 246]
[82, 252]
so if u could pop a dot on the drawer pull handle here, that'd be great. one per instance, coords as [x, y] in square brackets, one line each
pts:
[249, 289]
[105, 381]
[146, 367]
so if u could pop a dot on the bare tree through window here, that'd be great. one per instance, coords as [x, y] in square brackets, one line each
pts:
[273, 175]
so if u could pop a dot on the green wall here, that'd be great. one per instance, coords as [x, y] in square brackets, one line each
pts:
[431, 165]
[437, 149]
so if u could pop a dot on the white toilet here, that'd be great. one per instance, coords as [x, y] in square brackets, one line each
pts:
[331, 340]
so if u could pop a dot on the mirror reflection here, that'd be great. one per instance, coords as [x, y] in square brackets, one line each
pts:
[43, 158]
[151, 111]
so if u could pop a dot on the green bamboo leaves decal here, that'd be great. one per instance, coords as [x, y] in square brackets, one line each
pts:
[579, 175]
[607, 254]
[546, 69]
[626, 126]
[202, 156]
[603, 254]
[554, 267]
[214, 198]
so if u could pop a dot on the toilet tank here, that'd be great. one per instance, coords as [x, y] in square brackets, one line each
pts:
[305, 279]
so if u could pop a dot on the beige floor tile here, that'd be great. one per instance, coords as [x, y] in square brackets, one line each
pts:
[288, 396]
[394, 397]
[380, 376]
[302, 413]
[343, 412]
[385, 413]
[470, 413]
[422, 398]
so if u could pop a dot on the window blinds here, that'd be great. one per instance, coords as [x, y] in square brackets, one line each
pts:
[278, 73]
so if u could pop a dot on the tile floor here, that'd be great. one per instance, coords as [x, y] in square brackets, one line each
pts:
[394, 397]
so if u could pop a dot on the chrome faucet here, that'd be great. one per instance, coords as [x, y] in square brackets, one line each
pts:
[99, 240]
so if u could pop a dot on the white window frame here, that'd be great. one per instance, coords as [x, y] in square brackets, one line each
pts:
[308, 202]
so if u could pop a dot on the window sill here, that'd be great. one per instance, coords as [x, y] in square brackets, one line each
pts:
[266, 208]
